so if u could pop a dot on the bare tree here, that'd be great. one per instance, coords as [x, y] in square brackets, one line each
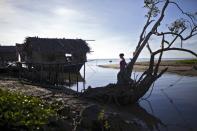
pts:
[181, 29]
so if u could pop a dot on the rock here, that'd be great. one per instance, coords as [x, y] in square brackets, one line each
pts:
[65, 111]
[93, 118]
[89, 119]
[58, 125]
[91, 112]
[78, 128]
[89, 116]
[116, 123]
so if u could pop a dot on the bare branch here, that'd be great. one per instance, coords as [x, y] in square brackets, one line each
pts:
[170, 43]
[160, 1]
[151, 64]
[183, 11]
[144, 73]
[176, 38]
[139, 49]
[162, 72]
[176, 49]
[148, 22]
[160, 56]
[178, 34]
[148, 46]
[166, 42]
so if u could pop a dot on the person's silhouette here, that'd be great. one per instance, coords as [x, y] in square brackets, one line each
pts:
[122, 62]
[120, 75]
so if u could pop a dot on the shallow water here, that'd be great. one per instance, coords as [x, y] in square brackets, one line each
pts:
[173, 100]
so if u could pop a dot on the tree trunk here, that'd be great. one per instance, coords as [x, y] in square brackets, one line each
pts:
[123, 78]
[128, 91]
[120, 94]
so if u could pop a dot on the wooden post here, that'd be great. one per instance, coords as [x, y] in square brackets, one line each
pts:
[41, 75]
[31, 70]
[49, 73]
[77, 83]
[62, 74]
[57, 73]
[84, 75]
[69, 78]
[20, 68]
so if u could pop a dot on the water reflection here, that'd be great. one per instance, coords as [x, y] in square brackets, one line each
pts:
[176, 107]
[72, 79]
[151, 121]
[136, 112]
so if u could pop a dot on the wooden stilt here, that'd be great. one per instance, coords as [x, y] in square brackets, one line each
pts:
[77, 83]
[84, 75]
[69, 79]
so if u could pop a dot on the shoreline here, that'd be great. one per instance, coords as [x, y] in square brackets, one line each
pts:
[177, 67]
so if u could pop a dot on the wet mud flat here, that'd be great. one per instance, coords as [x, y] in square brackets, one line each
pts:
[188, 69]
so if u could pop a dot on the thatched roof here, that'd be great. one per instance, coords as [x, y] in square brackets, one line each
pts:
[49, 45]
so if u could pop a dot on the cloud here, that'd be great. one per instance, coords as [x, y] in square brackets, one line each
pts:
[115, 25]
[65, 12]
[21, 19]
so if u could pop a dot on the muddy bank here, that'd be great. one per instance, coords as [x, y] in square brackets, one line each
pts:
[79, 114]
[181, 68]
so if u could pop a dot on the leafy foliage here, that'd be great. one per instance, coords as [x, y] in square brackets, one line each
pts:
[103, 120]
[151, 6]
[19, 111]
[177, 25]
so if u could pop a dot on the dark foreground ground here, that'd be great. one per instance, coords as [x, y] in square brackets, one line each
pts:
[84, 115]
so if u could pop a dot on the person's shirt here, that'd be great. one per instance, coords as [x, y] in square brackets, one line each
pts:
[123, 64]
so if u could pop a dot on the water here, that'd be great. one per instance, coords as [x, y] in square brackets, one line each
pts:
[173, 100]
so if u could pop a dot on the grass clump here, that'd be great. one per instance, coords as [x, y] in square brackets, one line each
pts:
[191, 61]
[19, 111]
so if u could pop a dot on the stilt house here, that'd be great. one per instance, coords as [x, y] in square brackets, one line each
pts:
[54, 51]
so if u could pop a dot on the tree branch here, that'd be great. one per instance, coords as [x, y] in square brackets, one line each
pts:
[183, 11]
[160, 56]
[148, 46]
[176, 49]
[162, 72]
[176, 38]
[151, 64]
[138, 51]
[176, 34]
[148, 22]
[144, 73]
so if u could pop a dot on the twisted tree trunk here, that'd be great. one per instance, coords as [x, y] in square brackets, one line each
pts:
[120, 94]
[128, 91]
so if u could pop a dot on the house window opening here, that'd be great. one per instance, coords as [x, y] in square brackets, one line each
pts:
[68, 58]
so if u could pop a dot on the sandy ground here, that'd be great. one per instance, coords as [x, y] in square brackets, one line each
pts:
[173, 67]
[47, 93]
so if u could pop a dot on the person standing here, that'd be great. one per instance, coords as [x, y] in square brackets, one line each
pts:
[122, 64]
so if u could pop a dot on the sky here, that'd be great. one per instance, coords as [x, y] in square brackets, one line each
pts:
[115, 25]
